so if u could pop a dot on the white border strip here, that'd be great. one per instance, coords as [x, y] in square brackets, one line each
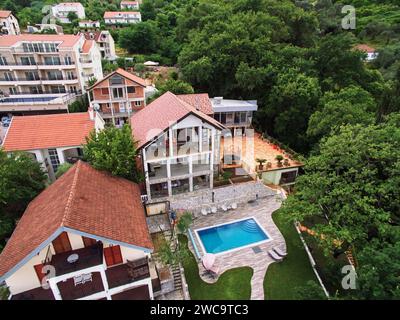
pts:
[312, 261]
[237, 248]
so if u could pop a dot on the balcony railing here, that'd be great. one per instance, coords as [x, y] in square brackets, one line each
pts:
[16, 64]
[42, 92]
[39, 79]
[87, 257]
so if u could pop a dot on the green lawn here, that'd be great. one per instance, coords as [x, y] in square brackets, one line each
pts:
[233, 284]
[282, 278]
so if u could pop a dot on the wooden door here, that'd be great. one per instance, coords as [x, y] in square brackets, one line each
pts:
[61, 243]
[88, 242]
[113, 255]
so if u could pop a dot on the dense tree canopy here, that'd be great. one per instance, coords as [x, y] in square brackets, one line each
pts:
[113, 150]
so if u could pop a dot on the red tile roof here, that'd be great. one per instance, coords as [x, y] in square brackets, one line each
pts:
[124, 74]
[160, 115]
[87, 45]
[47, 131]
[119, 14]
[365, 48]
[84, 200]
[200, 101]
[4, 14]
[66, 40]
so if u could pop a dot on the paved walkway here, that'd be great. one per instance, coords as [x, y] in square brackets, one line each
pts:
[260, 261]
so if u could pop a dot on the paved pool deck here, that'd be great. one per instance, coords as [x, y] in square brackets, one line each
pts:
[262, 210]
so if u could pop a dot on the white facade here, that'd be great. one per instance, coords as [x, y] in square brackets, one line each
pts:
[61, 11]
[124, 17]
[25, 277]
[131, 5]
[9, 25]
[182, 159]
[87, 24]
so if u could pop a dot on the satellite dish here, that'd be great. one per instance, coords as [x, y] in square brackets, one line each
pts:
[96, 107]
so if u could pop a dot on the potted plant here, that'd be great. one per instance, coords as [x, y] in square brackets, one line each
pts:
[279, 158]
[269, 165]
[261, 163]
[286, 162]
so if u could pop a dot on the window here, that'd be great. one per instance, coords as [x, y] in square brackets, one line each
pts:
[118, 93]
[55, 75]
[88, 242]
[28, 61]
[54, 160]
[8, 76]
[229, 117]
[3, 61]
[131, 89]
[13, 90]
[52, 61]
[113, 255]
[138, 103]
[122, 107]
[35, 90]
[217, 116]
[116, 80]
[68, 60]
[288, 177]
[61, 243]
[104, 91]
[57, 89]
[223, 118]
[70, 75]
[32, 75]
[243, 117]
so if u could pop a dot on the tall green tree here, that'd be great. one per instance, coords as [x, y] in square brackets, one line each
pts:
[113, 150]
[139, 38]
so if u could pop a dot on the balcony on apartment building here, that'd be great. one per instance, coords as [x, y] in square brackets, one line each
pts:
[38, 80]
[37, 65]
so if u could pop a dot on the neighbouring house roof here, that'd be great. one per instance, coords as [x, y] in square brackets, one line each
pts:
[92, 35]
[82, 201]
[200, 101]
[47, 131]
[159, 115]
[365, 48]
[124, 74]
[4, 14]
[87, 45]
[129, 2]
[69, 4]
[119, 14]
[66, 40]
[219, 104]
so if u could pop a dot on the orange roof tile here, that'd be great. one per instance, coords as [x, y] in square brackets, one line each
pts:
[117, 14]
[160, 115]
[200, 101]
[84, 200]
[124, 74]
[47, 131]
[4, 14]
[87, 45]
[66, 40]
[365, 48]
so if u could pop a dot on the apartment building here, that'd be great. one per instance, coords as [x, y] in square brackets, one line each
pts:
[105, 42]
[117, 96]
[179, 147]
[129, 5]
[60, 11]
[116, 18]
[43, 73]
[8, 23]
[74, 243]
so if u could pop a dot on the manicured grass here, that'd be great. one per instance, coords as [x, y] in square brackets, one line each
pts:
[282, 278]
[232, 285]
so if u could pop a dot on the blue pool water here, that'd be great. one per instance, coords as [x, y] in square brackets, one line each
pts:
[231, 236]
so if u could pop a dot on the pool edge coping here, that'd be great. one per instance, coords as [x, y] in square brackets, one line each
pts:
[238, 248]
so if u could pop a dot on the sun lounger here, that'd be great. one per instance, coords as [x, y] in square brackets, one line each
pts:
[280, 252]
[204, 212]
[234, 206]
[275, 256]
[224, 208]
[214, 210]
[209, 211]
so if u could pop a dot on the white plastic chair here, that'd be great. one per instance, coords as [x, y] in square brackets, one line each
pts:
[78, 280]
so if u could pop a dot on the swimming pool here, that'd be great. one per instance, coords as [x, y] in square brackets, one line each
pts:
[27, 100]
[231, 236]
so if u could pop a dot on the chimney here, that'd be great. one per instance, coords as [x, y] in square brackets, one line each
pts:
[91, 113]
